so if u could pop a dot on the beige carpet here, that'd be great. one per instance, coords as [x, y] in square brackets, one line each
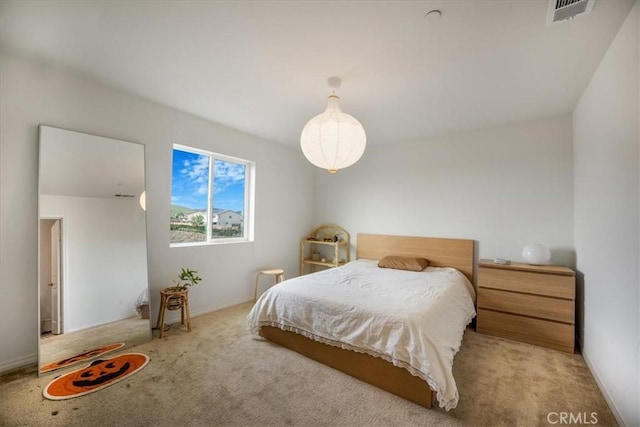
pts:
[220, 375]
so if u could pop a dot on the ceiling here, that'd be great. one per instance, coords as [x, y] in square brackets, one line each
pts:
[80, 165]
[262, 66]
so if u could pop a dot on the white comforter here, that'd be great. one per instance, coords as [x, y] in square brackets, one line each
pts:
[414, 320]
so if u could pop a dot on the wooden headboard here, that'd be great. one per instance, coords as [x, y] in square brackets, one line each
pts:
[441, 252]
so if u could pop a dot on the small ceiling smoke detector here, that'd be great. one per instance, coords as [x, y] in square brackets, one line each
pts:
[433, 14]
[560, 10]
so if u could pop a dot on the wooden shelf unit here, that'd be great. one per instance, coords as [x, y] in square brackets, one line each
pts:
[336, 252]
[529, 303]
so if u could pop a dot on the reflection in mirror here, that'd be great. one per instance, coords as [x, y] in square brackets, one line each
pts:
[93, 285]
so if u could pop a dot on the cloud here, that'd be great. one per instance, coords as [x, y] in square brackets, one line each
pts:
[203, 189]
[190, 181]
[197, 169]
[228, 174]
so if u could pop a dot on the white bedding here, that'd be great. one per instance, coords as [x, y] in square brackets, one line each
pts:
[414, 320]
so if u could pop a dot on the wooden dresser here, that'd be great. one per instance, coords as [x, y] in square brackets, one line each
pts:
[529, 303]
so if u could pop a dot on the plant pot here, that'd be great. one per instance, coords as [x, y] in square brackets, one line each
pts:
[144, 311]
[176, 296]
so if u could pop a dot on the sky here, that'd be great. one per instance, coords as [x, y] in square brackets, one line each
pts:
[190, 181]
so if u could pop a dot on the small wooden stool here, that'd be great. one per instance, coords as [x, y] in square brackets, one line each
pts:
[278, 272]
[174, 299]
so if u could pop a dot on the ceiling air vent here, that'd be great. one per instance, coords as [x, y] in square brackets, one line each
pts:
[560, 10]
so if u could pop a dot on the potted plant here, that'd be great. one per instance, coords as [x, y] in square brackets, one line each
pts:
[186, 279]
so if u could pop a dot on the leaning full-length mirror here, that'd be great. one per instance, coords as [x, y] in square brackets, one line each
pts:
[93, 284]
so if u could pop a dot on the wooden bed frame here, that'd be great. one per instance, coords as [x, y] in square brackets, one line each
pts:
[458, 253]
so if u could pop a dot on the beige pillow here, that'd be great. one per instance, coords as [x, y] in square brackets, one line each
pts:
[403, 263]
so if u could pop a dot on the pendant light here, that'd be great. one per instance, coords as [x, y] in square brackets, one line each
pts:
[333, 140]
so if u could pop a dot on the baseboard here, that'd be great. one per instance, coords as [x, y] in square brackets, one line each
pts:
[19, 363]
[214, 309]
[604, 391]
[174, 316]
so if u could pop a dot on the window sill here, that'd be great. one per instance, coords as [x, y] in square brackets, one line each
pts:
[210, 243]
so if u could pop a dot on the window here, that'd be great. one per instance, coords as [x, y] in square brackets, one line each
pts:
[211, 198]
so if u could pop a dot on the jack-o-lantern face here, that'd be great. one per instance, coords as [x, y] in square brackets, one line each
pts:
[97, 375]
[101, 371]
[80, 357]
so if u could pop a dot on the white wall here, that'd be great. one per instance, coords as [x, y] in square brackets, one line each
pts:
[104, 258]
[504, 187]
[607, 219]
[34, 94]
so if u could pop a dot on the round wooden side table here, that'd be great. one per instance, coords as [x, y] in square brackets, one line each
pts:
[174, 298]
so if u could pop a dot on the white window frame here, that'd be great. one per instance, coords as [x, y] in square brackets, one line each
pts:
[249, 197]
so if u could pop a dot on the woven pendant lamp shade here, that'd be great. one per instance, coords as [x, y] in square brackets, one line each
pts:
[333, 140]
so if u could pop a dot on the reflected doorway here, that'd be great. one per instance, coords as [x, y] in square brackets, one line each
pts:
[51, 277]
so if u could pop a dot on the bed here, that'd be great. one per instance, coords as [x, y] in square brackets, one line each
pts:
[369, 322]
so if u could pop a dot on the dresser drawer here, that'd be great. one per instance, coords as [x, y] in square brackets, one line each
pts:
[559, 310]
[545, 333]
[551, 285]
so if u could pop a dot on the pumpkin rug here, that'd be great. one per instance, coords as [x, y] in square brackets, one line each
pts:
[96, 376]
[89, 354]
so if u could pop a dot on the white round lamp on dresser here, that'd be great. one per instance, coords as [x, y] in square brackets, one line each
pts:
[536, 254]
